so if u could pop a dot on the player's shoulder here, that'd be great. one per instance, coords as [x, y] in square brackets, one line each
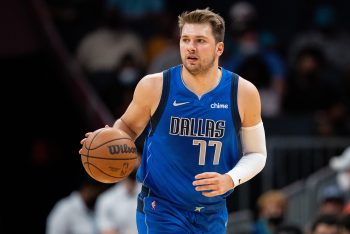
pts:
[151, 81]
[153, 78]
[150, 86]
[246, 87]
[157, 78]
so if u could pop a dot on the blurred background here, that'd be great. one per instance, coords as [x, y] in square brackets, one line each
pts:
[70, 66]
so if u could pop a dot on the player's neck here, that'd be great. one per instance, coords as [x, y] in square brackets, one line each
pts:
[203, 82]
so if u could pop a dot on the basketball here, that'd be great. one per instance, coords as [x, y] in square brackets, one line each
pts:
[108, 155]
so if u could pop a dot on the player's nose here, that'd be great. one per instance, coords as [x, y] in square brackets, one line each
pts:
[191, 47]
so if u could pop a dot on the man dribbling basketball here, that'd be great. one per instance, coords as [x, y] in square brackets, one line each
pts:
[205, 136]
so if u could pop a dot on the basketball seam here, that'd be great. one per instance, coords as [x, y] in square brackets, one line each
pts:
[88, 150]
[105, 142]
[103, 171]
[90, 156]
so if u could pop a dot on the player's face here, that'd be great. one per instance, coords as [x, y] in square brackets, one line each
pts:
[198, 48]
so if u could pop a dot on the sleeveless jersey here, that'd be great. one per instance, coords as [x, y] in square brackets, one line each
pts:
[189, 135]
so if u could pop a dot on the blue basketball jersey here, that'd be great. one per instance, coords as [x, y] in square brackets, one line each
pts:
[189, 135]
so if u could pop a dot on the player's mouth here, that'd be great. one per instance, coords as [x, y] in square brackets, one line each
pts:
[192, 58]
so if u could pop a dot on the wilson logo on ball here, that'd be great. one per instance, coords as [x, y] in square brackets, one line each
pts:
[124, 149]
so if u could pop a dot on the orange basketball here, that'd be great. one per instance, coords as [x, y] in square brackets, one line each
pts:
[109, 155]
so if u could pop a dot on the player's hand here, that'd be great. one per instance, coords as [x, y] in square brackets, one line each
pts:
[212, 183]
[87, 135]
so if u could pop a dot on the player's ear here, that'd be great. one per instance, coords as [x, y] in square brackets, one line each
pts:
[220, 48]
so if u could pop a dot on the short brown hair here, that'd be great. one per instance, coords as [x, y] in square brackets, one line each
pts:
[272, 196]
[201, 16]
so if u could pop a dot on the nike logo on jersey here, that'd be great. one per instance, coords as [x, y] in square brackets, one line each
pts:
[179, 103]
[198, 208]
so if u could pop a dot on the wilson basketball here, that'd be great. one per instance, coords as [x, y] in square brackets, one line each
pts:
[109, 155]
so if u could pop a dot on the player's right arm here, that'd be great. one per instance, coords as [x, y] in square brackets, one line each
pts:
[143, 105]
[145, 101]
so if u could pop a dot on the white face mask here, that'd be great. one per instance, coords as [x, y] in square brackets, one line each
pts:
[128, 76]
[343, 180]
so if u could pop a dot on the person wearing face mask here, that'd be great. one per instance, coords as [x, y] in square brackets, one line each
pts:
[116, 207]
[128, 71]
[125, 75]
[272, 207]
[249, 56]
[341, 164]
[75, 213]
[331, 200]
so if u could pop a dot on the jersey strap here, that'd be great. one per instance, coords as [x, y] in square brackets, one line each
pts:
[234, 104]
[163, 101]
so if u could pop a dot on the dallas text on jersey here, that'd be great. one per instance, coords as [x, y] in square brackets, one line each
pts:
[194, 127]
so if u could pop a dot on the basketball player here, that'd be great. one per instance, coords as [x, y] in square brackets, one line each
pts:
[205, 138]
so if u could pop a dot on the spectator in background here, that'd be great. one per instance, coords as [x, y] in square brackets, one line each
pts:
[272, 207]
[116, 207]
[104, 48]
[309, 80]
[126, 76]
[289, 229]
[75, 214]
[325, 224]
[329, 68]
[113, 60]
[258, 64]
[162, 47]
[341, 164]
[331, 201]
[326, 33]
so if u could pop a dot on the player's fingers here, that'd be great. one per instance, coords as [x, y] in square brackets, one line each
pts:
[203, 182]
[206, 175]
[82, 141]
[106, 126]
[211, 194]
[207, 188]
[88, 134]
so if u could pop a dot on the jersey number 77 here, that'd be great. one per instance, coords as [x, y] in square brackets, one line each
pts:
[203, 149]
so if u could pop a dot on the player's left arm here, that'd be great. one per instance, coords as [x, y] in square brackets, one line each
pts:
[253, 146]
